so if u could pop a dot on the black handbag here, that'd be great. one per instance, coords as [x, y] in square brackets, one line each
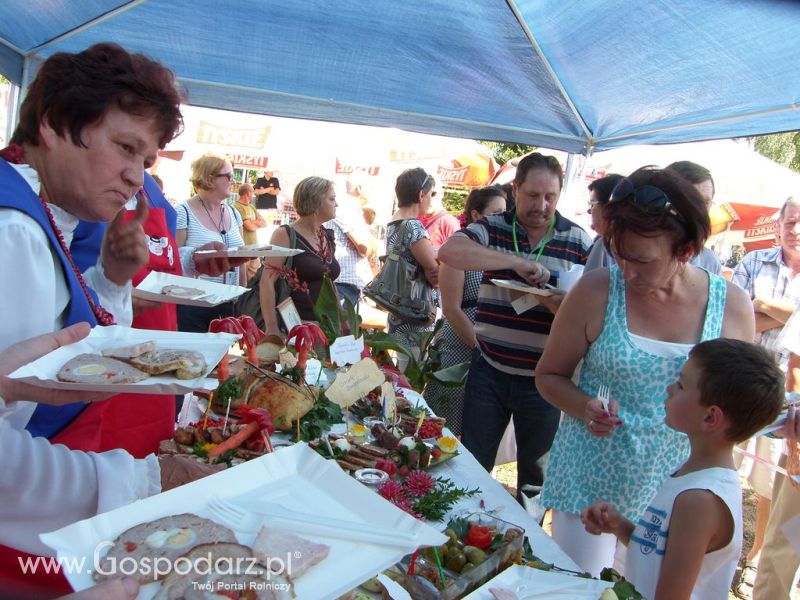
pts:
[400, 288]
[249, 303]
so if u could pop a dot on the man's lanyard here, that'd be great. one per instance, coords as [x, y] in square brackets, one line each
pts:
[544, 240]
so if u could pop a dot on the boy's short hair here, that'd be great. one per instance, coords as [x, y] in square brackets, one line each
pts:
[744, 380]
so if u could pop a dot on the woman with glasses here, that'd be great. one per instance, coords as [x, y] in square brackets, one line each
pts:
[599, 195]
[414, 189]
[632, 325]
[207, 217]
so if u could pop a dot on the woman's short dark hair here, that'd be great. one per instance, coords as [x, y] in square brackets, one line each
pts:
[409, 184]
[479, 199]
[686, 220]
[603, 186]
[73, 91]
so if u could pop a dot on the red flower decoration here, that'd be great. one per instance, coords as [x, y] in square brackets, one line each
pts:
[419, 483]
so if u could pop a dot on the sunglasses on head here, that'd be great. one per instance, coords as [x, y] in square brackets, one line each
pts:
[648, 197]
[424, 183]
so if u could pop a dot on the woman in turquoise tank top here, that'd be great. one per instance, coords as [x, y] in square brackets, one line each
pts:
[633, 326]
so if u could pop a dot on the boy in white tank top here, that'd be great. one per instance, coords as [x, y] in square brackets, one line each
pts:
[687, 543]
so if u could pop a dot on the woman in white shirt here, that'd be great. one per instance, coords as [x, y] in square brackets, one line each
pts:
[207, 217]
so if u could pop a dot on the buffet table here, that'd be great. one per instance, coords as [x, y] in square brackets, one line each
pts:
[466, 471]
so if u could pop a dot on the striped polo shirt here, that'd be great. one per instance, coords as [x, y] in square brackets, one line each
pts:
[510, 342]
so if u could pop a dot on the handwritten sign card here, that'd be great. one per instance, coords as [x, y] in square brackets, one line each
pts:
[346, 350]
[356, 382]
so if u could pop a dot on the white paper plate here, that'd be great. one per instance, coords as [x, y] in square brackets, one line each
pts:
[251, 251]
[213, 346]
[518, 286]
[296, 477]
[533, 584]
[214, 293]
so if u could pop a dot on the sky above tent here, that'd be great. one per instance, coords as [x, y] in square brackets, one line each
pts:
[567, 74]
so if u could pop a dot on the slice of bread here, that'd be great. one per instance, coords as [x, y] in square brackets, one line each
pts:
[187, 364]
[179, 291]
[93, 369]
[126, 352]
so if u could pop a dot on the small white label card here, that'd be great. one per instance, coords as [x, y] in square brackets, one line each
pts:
[357, 381]
[314, 373]
[288, 312]
[524, 303]
[346, 350]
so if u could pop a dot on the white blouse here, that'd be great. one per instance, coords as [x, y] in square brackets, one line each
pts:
[44, 486]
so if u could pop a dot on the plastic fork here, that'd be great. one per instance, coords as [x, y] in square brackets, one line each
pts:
[604, 395]
[251, 518]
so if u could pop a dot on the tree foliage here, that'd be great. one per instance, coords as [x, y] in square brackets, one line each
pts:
[783, 148]
[454, 200]
[505, 151]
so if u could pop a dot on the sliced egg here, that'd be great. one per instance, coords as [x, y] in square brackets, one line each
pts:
[342, 444]
[175, 537]
[408, 442]
[91, 369]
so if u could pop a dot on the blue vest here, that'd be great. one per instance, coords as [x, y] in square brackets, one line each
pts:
[15, 193]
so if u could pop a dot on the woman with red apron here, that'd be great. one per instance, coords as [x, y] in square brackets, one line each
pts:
[133, 422]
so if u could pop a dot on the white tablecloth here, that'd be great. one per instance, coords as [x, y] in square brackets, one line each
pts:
[465, 471]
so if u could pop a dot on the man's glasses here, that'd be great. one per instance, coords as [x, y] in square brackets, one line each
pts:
[648, 197]
[228, 176]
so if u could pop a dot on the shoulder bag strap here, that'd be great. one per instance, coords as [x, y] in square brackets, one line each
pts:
[292, 244]
[397, 247]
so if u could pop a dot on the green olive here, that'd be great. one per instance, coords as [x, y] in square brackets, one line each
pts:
[452, 535]
[467, 568]
[456, 562]
[474, 555]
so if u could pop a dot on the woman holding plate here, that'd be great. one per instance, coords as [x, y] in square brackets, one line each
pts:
[206, 217]
[632, 325]
[78, 152]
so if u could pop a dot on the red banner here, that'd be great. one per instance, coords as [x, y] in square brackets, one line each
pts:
[453, 176]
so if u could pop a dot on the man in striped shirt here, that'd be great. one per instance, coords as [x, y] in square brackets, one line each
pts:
[530, 244]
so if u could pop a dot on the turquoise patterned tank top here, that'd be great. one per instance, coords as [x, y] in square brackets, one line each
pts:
[628, 467]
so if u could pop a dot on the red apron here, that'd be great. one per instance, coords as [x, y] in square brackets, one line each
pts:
[138, 422]
[135, 422]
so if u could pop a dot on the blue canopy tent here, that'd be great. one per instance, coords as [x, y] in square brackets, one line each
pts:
[576, 75]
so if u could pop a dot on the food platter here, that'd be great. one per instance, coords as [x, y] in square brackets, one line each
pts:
[518, 286]
[213, 346]
[250, 251]
[295, 477]
[187, 291]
